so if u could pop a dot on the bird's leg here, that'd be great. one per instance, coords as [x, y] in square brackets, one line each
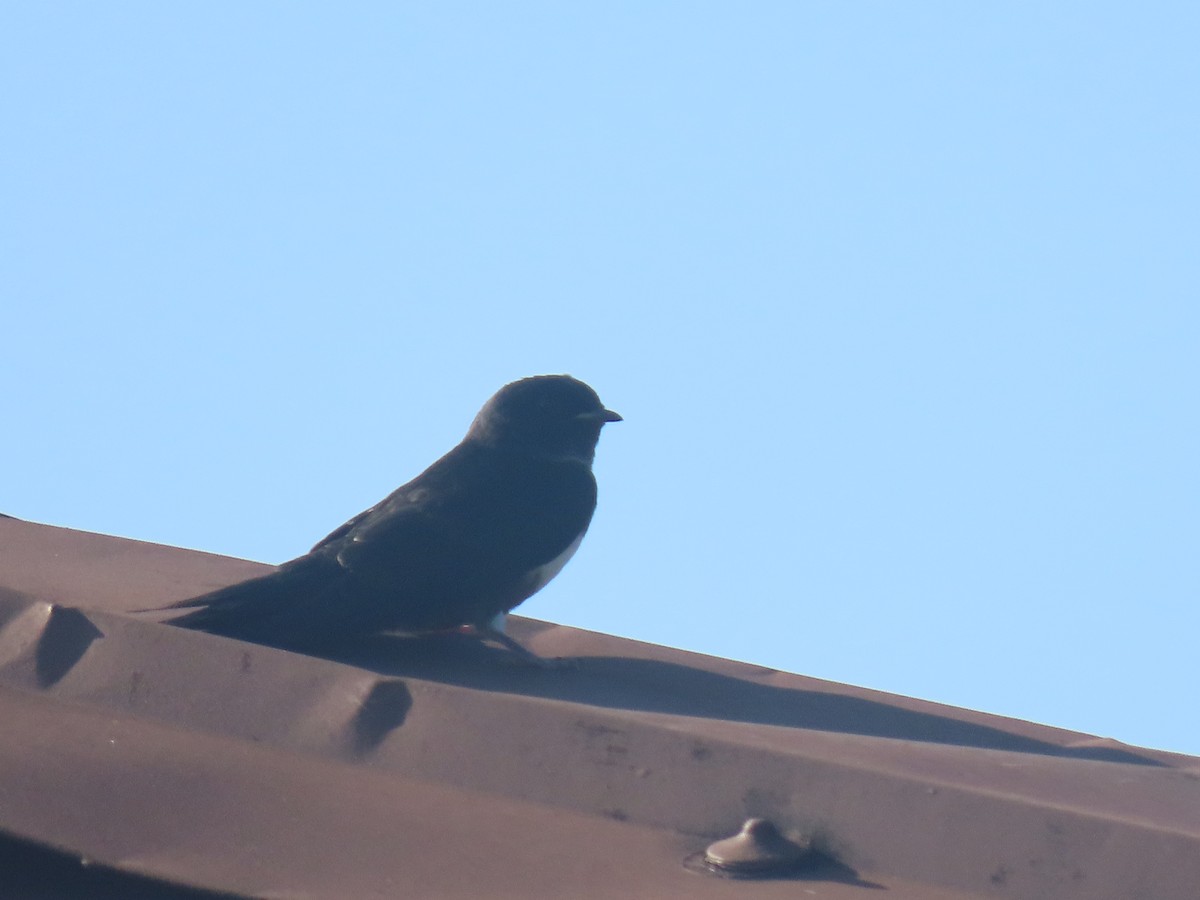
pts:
[494, 629]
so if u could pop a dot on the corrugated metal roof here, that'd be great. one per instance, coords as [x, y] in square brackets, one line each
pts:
[434, 767]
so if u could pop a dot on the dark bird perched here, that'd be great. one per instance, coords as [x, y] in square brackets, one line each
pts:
[475, 534]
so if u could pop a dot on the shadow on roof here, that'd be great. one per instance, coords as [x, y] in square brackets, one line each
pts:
[660, 686]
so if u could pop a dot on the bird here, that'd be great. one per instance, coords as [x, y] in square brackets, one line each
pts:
[481, 530]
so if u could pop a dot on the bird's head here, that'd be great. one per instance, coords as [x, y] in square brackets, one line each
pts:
[546, 415]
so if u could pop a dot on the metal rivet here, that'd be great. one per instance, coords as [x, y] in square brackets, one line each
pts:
[758, 849]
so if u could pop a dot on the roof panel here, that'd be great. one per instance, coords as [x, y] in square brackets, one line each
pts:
[435, 767]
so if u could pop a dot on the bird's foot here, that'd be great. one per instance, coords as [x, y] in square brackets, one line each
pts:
[522, 653]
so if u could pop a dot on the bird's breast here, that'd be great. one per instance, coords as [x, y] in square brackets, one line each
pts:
[538, 578]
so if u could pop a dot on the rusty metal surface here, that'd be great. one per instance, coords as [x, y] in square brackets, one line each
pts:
[434, 767]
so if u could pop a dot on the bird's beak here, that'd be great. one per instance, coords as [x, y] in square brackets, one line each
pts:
[602, 415]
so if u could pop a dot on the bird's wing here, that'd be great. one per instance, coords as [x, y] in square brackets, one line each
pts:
[345, 528]
[473, 508]
[455, 545]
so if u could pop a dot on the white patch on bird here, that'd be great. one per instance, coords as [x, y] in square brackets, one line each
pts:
[538, 578]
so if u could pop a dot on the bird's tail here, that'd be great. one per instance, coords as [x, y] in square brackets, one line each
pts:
[287, 608]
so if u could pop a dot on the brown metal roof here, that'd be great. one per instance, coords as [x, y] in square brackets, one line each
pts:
[173, 760]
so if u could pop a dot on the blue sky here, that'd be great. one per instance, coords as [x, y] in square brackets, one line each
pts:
[899, 302]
